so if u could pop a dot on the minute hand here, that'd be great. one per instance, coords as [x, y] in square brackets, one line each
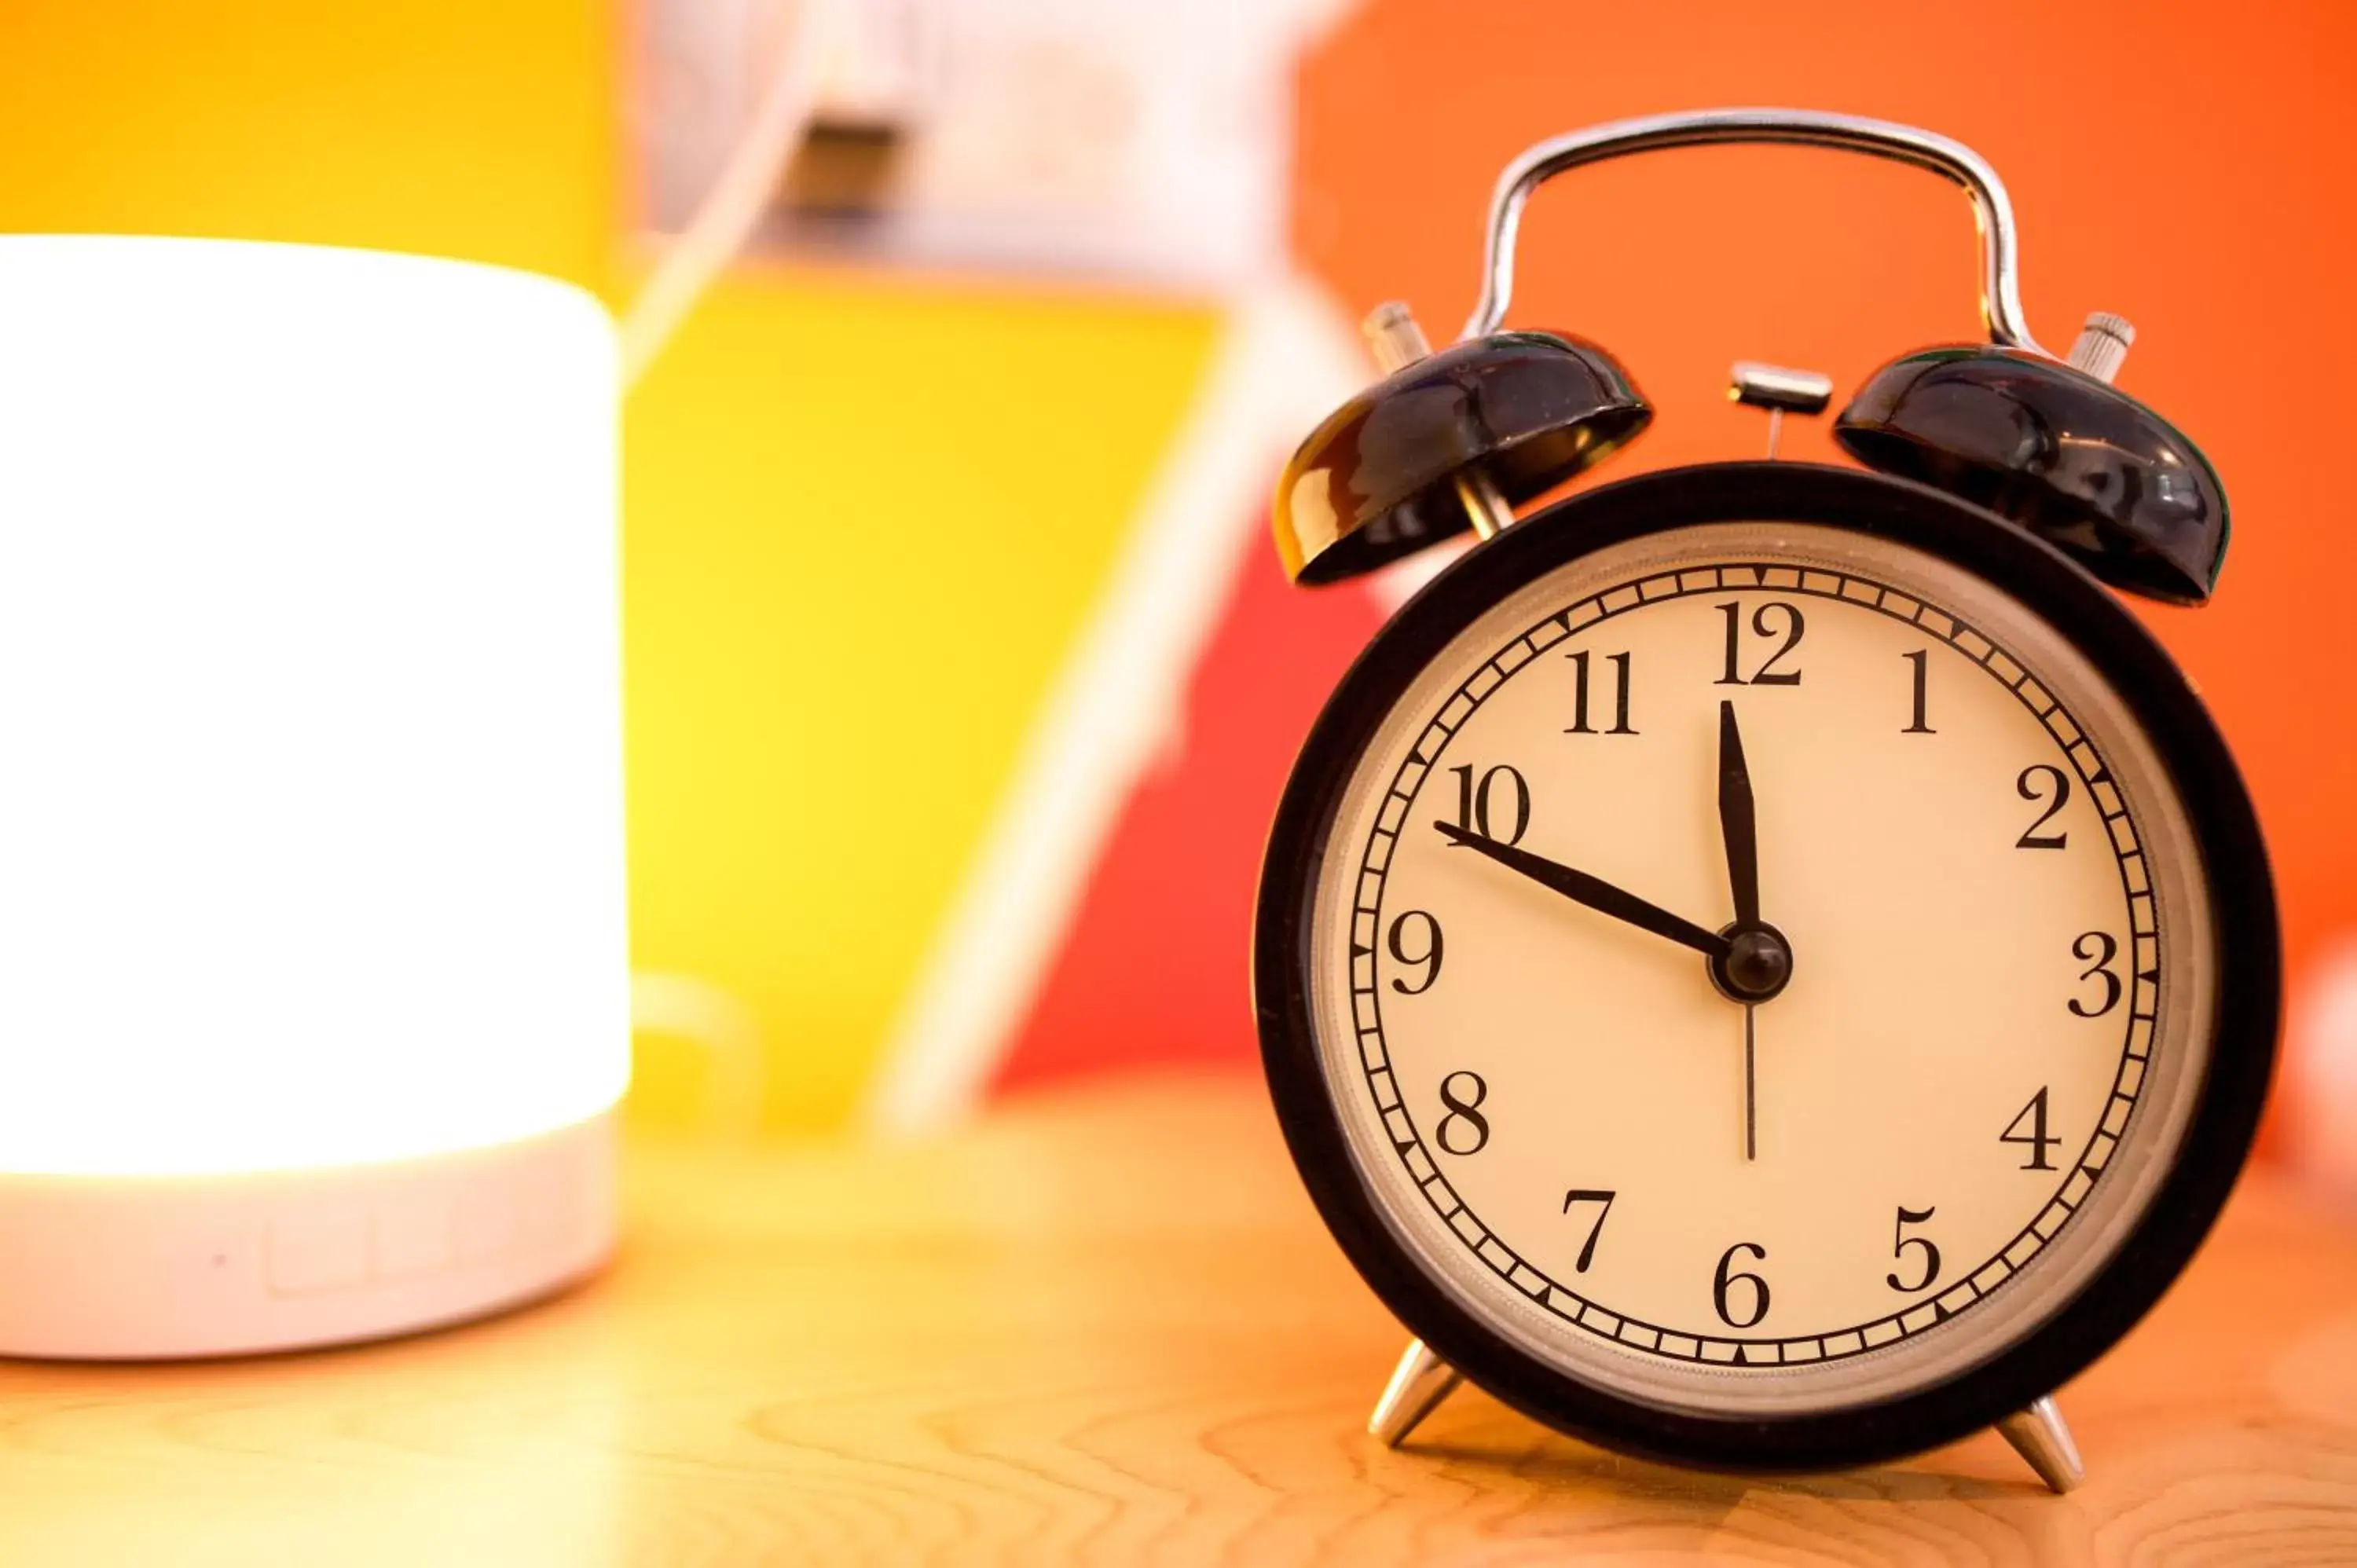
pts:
[1598, 895]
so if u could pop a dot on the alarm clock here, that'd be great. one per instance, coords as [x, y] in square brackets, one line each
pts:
[1765, 965]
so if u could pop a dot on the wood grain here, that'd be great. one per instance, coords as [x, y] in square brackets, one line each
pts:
[1104, 1327]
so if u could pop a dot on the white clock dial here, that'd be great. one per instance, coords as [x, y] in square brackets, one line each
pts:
[1982, 1060]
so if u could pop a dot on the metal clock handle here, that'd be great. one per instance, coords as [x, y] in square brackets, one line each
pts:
[2000, 242]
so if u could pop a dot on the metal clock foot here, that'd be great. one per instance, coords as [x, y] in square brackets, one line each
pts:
[1418, 1384]
[2038, 1435]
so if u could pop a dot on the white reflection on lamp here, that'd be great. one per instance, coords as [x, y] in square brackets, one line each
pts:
[313, 974]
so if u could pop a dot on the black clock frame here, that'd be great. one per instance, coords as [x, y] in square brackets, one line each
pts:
[2247, 961]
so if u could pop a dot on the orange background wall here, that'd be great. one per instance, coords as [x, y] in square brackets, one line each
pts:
[2191, 167]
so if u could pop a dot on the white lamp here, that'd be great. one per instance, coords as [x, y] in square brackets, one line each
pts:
[313, 979]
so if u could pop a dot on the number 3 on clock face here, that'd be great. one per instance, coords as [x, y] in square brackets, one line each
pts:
[1633, 1178]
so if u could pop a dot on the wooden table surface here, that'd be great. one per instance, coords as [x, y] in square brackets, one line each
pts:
[1105, 1327]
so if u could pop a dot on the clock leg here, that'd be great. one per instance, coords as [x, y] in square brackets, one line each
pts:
[1418, 1384]
[2038, 1435]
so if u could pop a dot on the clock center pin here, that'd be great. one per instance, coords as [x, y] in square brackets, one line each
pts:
[1757, 965]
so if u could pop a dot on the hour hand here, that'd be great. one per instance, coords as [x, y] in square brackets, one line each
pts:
[1736, 822]
[1593, 892]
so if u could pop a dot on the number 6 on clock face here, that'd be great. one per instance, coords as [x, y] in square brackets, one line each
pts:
[1649, 1158]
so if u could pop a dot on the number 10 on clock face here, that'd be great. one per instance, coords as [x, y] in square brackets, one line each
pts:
[1758, 948]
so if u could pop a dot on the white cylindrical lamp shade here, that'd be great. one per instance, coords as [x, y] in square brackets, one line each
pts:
[314, 985]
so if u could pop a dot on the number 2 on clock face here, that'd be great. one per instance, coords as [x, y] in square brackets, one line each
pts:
[1974, 962]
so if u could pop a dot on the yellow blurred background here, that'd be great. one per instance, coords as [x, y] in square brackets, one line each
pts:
[862, 515]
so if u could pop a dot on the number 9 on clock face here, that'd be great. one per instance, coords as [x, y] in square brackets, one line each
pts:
[1750, 969]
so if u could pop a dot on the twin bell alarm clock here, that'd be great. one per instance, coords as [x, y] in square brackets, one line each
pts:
[1765, 965]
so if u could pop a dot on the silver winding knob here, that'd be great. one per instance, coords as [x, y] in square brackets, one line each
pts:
[1393, 336]
[2102, 344]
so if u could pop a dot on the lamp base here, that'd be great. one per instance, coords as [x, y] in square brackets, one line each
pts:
[138, 1268]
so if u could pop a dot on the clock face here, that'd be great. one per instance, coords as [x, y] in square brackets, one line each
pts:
[1760, 967]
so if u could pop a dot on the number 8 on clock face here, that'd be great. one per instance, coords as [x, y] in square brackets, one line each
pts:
[1727, 956]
